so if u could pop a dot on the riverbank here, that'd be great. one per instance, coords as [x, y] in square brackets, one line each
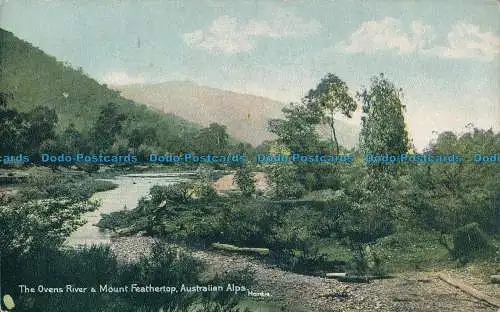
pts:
[130, 189]
[409, 291]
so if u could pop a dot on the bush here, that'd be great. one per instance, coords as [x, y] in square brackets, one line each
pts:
[178, 192]
[115, 220]
[283, 179]
[244, 180]
[470, 242]
[366, 261]
[205, 191]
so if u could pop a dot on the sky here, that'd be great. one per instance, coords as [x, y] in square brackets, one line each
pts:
[443, 54]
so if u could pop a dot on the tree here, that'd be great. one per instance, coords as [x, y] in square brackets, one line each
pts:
[380, 206]
[12, 126]
[330, 97]
[298, 130]
[142, 135]
[4, 98]
[108, 125]
[72, 141]
[41, 127]
[213, 139]
[383, 129]
[444, 197]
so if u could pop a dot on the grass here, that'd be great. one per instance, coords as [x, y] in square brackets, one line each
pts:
[399, 252]
[334, 250]
[412, 250]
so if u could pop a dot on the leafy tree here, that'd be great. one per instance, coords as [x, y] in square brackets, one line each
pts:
[4, 98]
[107, 127]
[41, 127]
[298, 130]
[12, 126]
[379, 206]
[213, 139]
[383, 129]
[72, 141]
[142, 135]
[444, 197]
[330, 97]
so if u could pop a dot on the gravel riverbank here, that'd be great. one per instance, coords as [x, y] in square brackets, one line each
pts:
[414, 291]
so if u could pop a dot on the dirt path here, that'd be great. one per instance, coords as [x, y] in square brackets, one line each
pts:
[415, 291]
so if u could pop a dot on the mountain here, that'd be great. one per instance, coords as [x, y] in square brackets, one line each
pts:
[37, 79]
[245, 115]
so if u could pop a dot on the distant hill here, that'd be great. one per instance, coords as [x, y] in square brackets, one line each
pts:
[37, 79]
[244, 115]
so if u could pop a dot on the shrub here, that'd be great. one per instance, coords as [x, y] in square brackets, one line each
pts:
[470, 242]
[244, 179]
[283, 179]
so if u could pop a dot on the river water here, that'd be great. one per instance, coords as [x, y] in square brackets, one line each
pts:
[130, 189]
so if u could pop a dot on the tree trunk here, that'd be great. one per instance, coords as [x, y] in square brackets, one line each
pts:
[334, 135]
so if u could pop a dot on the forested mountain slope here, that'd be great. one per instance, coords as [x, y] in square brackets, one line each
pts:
[34, 78]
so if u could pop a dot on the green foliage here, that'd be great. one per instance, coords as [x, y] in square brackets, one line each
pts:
[116, 220]
[140, 135]
[444, 197]
[212, 140]
[227, 301]
[27, 225]
[470, 242]
[96, 265]
[42, 123]
[107, 126]
[330, 97]
[366, 261]
[204, 191]
[244, 180]
[49, 185]
[12, 126]
[298, 130]
[283, 180]
[383, 130]
[178, 193]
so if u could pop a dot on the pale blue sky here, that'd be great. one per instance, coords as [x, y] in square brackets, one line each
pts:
[444, 54]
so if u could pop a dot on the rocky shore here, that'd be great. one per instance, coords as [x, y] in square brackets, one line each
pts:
[415, 291]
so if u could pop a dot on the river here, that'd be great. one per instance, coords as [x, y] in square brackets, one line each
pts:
[130, 189]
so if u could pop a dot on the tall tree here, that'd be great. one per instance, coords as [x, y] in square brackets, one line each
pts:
[331, 97]
[383, 129]
[108, 125]
[383, 132]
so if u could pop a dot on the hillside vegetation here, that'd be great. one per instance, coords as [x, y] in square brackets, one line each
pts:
[34, 78]
[59, 109]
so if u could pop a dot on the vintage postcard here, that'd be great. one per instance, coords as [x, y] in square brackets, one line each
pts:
[249, 155]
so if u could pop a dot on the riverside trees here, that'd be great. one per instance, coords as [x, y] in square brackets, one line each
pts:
[378, 200]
